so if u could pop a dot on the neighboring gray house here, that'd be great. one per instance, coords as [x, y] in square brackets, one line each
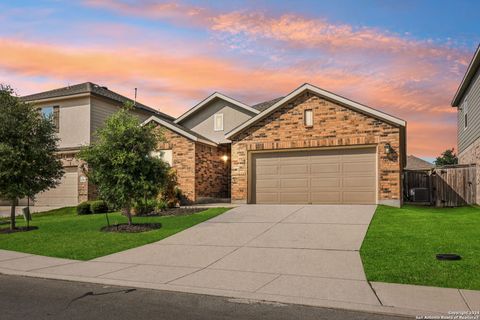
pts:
[78, 110]
[467, 102]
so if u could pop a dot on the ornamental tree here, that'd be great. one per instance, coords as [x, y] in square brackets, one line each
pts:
[448, 157]
[121, 161]
[28, 142]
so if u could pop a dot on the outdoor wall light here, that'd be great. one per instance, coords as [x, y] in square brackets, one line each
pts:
[225, 158]
[388, 148]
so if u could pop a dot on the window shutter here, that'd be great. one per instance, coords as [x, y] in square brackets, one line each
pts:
[56, 118]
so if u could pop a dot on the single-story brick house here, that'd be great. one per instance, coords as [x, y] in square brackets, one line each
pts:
[311, 146]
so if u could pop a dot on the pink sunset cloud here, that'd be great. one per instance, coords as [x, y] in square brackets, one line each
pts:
[411, 79]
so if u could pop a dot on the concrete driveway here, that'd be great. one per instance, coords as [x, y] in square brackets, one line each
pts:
[282, 250]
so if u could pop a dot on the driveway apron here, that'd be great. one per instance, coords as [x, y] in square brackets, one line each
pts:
[302, 251]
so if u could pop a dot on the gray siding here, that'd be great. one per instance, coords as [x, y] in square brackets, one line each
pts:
[74, 122]
[466, 136]
[101, 109]
[202, 120]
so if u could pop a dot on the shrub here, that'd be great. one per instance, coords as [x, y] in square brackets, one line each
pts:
[98, 206]
[84, 208]
[161, 205]
[170, 192]
[144, 207]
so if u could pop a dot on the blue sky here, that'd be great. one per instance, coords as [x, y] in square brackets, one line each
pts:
[403, 57]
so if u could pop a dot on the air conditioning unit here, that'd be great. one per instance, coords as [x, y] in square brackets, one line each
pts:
[419, 194]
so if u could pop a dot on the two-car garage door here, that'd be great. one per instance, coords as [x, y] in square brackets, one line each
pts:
[314, 176]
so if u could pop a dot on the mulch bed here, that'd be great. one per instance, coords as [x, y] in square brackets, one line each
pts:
[182, 211]
[133, 228]
[18, 229]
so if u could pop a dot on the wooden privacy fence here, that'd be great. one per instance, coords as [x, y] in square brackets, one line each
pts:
[449, 186]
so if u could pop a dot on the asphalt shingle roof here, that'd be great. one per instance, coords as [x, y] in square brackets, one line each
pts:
[266, 104]
[89, 87]
[414, 163]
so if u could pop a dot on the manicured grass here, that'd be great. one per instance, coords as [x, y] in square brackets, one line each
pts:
[64, 234]
[401, 244]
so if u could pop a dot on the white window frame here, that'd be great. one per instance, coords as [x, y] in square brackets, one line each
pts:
[215, 117]
[308, 125]
[165, 154]
[465, 114]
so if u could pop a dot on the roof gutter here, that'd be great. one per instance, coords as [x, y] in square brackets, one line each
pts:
[467, 78]
[78, 95]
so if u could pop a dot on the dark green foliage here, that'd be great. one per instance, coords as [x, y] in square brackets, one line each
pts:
[161, 205]
[170, 193]
[28, 143]
[145, 207]
[121, 164]
[98, 206]
[84, 208]
[448, 157]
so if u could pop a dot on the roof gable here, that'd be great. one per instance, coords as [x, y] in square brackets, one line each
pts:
[325, 94]
[91, 88]
[180, 130]
[210, 98]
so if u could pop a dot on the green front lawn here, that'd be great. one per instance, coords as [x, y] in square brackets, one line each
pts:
[64, 234]
[401, 244]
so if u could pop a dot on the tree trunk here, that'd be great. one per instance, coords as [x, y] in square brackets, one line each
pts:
[127, 211]
[12, 214]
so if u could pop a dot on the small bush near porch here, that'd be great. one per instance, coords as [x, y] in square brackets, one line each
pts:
[401, 245]
[64, 234]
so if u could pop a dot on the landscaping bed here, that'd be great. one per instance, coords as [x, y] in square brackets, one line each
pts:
[132, 228]
[180, 211]
[402, 243]
[17, 229]
[64, 234]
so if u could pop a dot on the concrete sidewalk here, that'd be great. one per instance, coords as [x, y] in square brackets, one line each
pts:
[292, 254]
[396, 299]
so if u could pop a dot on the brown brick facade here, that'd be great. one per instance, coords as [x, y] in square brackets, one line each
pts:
[471, 155]
[183, 161]
[334, 126]
[212, 173]
[200, 169]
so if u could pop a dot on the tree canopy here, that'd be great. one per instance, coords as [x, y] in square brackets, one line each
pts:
[448, 157]
[121, 161]
[28, 142]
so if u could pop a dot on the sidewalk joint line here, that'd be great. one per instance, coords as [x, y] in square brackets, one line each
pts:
[266, 284]
[375, 293]
[464, 299]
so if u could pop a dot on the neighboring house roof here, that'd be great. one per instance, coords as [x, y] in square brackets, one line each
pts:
[472, 69]
[180, 130]
[92, 88]
[210, 98]
[326, 94]
[266, 104]
[414, 163]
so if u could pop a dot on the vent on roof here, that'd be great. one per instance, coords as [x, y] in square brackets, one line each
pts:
[103, 87]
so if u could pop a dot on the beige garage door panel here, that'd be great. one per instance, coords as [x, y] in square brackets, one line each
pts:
[65, 194]
[330, 176]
